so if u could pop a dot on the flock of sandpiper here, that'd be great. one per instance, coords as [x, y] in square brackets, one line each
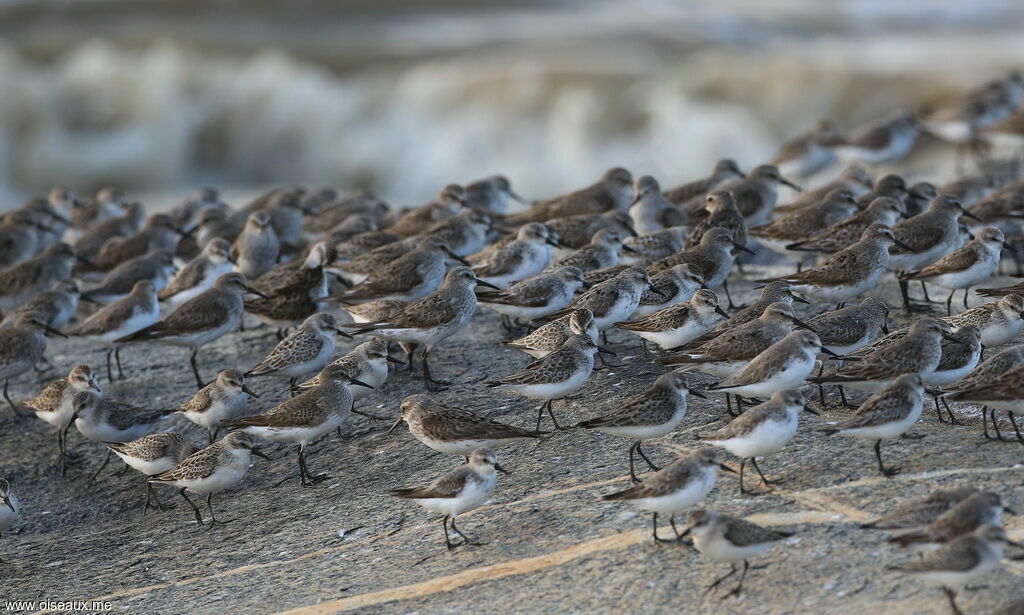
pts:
[561, 272]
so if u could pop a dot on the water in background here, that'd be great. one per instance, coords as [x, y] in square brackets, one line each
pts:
[548, 94]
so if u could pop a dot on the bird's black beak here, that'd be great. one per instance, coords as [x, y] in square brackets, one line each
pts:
[259, 453]
[395, 425]
[742, 248]
[968, 214]
[83, 260]
[1009, 511]
[486, 284]
[452, 256]
[85, 297]
[726, 468]
[604, 350]
[1008, 246]
[786, 182]
[515, 197]
[626, 248]
[903, 246]
[802, 324]
[497, 466]
[189, 232]
[394, 360]
[253, 291]
[95, 386]
[697, 393]
[950, 338]
[7, 501]
[799, 299]
[811, 410]
[828, 352]
[52, 331]
[249, 391]
[342, 333]
[721, 312]
[359, 383]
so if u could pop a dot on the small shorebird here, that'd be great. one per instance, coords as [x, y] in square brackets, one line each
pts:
[679, 324]
[10, 508]
[878, 143]
[757, 193]
[549, 337]
[368, 253]
[527, 256]
[781, 367]
[651, 211]
[959, 359]
[449, 202]
[574, 232]
[292, 294]
[20, 283]
[306, 349]
[304, 418]
[454, 431]
[919, 513]
[982, 508]
[805, 224]
[535, 297]
[102, 419]
[159, 233]
[722, 213]
[998, 385]
[613, 300]
[886, 415]
[849, 272]
[493, 195]
[215, 468]
[224, 398]
[257, 248]
[674, 488]
[713, 257]
[157, 267]
[854, 178]
[458, 491]
[773, 292]
[54, 403]
[847, 330]
[54, 307]
[151, 455]
[367, 363]
[963, 119]
[883, 210]
[199, 274]
[966, 267]
[410, 277]
[200, 320]
[432, 319]
[554, 376]
[125, 225]
[962, 561]
[810, 152]
[669, 287]
[726, 170]
[21, 347]
[651, 414]
[613, 191]
[919, 196]
[730, 540]
[657, 245]
[762, 430]
[602, 251]
[465, 232]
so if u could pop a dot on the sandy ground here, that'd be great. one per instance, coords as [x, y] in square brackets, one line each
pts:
[552, 544]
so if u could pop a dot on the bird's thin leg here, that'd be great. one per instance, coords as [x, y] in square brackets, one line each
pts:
[213, 520]
[821, 387]
[764, 479]
[551, 413]
[951, 595]
[195, 509]
[743, 490]
[106, 460]
[654, 530]
[938, 411]
[1016, 430]
[466, 539]
[739, 586]
[728, 405]
[842, 396]
[887, 472]
[641, 451]
[725, 286]
[967, 291]
[110, 372]
[117, 359]
[952, 417]
[718, 581]
[213, 434]
[672, 522]
[151, 491]
[447, 540]
[195, 368]
[995, 425]
[432, 385]
[984, 422]
[739, 405]
[632, 469]
[540, 413]
[924, 289]
[949, 302]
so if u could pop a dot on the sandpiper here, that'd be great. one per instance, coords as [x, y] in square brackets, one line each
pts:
[614, 300]
[430, 320]
[535, 297]
[201, 320]
[199, 274]
[854, 178]
[805, 224]
[810, 152]
[891, 185]
[138, 310]
[549, 337]
[364, 244]
[367, 363]
[919, 351]
[731, 351]
[886, 415]
[656, 246]
[730, 540]
[494, 195]
[651, 211]
[782, 366]
[126, 225]
[674, 488]
[54, 307]
[961, 120]
[613, 191]
[454, 431]
[157, 267]
[921, 512]
[102, 419]
[722, 213]
[215, 468]
[651, 414]
[849, 272]
[883, 210]
[726, 170]
[336, 209]
[574, 232]
[773, 292]
[54, 403]
[762, 430]
[669, 287]
[982, 508]
[153, 454]
[10, 508]
[962, 561]
[553, 376]
[966, 267]
[213, 224]
[465, 233]
[527, 256]
[223, 399]
[409, 277]
[602, 251]
[449, 202]
[25, 280]
[158, 234]
[999, 386]
[713, 257]
[880, 142]
[21, 347]
[306, 349]
[304, 418]
[291, 296]
[256, 249]
[679, 324]
[458, 491]
[959, 358]
[847, 330]
[757, 193]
